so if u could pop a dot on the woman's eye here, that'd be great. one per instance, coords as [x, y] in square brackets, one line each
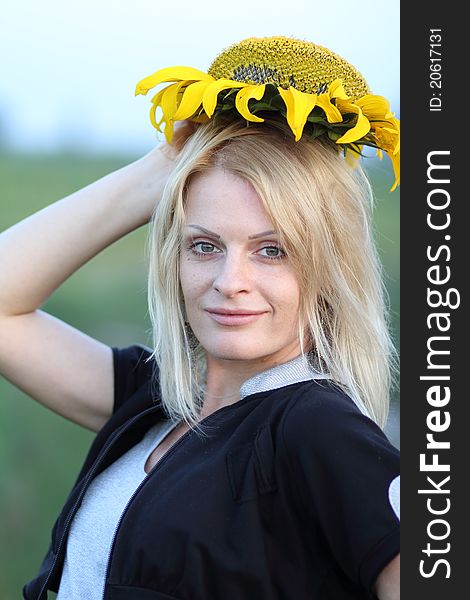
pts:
[272, 252]
[203, 248]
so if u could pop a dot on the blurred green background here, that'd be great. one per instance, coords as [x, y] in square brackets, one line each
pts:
[40, 452]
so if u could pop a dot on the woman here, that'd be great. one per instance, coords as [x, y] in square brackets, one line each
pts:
[241, 458]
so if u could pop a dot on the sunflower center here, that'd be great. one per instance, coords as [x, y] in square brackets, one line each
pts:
[287, 62]
[258, 74]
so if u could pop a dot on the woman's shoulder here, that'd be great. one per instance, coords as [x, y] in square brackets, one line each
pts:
[344, 477]
[322, 400]
[322, 414]
[134, 367]
[133, 356]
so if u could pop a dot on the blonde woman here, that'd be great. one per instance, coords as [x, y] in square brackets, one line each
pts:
[241, 456]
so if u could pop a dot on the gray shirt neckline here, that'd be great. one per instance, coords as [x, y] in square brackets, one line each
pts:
[294, 371]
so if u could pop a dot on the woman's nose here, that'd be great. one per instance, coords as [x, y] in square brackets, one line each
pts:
[233, 275]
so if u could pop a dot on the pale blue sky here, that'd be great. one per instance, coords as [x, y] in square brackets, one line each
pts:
[69, 68]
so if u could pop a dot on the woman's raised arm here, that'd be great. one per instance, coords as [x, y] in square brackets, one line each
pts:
[61, 367]
[388, 582]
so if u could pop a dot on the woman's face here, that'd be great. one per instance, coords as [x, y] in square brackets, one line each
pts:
[240, 291]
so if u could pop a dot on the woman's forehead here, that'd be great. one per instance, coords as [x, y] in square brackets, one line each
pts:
[215, 180]
[218, 198]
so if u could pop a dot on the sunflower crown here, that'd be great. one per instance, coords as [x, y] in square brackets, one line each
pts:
[314, 89]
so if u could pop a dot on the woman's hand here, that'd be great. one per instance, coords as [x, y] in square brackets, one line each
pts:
[156, 166]
[181, 132]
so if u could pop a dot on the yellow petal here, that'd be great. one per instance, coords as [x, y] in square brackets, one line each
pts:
[395, 123]
[153, 117]
[375, 107]
[299, 105]
[395, 127]
[191, 100]
[387, 135]
[155, 103]
[397, 147]
[169, 105]
[169, 100]
[209, 98]
[244, 95]
[169, 130]
[332, 113]
[360, 129]
[395, 138]
[395, 158]
[336, 90]
[169, 74]
[158, 96]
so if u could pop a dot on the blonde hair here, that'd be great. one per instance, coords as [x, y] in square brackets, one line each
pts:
[322, 208]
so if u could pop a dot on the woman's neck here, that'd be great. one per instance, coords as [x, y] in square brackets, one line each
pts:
[225, 377]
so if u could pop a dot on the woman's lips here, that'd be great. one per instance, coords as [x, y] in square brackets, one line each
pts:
[228, 318]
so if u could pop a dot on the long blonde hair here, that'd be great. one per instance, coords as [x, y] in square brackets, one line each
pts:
[322, 208]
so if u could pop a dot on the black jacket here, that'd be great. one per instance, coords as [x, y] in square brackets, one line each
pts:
[285, 497]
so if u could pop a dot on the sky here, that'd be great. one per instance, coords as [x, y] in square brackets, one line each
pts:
[69, 69]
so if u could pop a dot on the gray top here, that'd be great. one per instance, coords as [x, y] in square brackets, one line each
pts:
[296, 370]
[94, 525]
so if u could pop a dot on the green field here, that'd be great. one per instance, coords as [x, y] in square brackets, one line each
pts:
[40, 453]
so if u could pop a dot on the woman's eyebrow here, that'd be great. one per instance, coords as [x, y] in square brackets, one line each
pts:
[250, 237]
[204, 230]
[262, 234]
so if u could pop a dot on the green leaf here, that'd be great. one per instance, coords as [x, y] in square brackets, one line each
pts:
[333, 135]
[317, 131]
[259, 105]
[316, 119]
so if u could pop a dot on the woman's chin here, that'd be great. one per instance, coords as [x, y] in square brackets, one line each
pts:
[235, 350]
[240, 354]
[250, 346]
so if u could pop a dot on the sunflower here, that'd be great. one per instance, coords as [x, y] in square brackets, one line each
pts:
[314, 89]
